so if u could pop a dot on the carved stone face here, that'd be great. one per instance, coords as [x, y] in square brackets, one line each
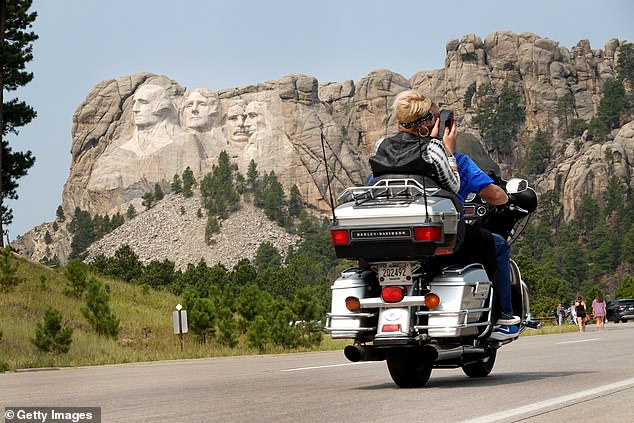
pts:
[234, 128]
[197, 111]
[254, 120]
[148, 104]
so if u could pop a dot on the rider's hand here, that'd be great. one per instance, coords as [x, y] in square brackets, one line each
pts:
[449, 138]
[434, 130]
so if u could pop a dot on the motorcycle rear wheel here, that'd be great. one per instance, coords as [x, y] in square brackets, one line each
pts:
[409, 367]
[482, 367]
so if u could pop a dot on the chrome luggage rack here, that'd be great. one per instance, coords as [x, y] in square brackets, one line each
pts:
[405, 190]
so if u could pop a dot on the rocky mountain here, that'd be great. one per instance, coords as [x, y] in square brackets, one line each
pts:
[142, 129]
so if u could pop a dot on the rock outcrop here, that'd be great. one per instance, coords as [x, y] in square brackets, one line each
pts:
[134, 132]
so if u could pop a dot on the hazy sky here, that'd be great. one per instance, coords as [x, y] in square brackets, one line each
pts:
[232, 43]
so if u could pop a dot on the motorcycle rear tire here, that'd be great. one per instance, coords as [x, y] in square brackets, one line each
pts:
[409, 367]
[482, 367]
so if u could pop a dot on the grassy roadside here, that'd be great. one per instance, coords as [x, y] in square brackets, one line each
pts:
[146, 327]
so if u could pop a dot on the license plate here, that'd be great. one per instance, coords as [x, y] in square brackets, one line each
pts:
[395, 273]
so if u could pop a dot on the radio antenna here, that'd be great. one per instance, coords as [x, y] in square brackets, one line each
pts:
[332, 203]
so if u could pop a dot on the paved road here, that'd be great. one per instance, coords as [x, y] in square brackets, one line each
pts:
[536, 379]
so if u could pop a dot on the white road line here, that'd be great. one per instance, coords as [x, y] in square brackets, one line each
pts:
[575, 342]
[325, 367]
[551, 402]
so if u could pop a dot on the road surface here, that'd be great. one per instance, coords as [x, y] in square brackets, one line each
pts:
[536, 379]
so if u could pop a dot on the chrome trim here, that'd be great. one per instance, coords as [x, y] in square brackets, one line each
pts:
[465, 321]
[460, 271]
[407, 301]
[351, 315]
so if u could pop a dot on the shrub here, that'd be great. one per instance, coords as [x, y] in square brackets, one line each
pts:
[97, 309]
[76, 272]
[131, 212]
[50, 336]
[212, 228]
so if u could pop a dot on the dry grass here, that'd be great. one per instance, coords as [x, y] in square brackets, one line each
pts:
[146, 331]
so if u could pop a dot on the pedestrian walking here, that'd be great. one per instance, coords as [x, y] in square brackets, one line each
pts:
[598, 310]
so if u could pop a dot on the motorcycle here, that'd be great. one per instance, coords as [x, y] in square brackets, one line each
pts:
[409, 303]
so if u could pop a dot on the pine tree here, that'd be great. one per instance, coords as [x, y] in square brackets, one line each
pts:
[189, 182]
[212, 228]
[625, 288]
[116, 221]
[83, 232]
[16, 46]
[625, 64]
[284, 331]
[50, 336]
[200, 315]
[131, 212]
[177, 185]
[468, 95]
[47, 238]
[538, 153]
[259, 334]
[60, 214]
[252, 176]
[274, 200]
[219, 194]
[227, 328]
[97, 309]
[612, 104]
[125, 264]
[565, 109]
[76, 273]
[148, 200]
[294, 202]
[8, 270]
[267, 256]
[158, 192]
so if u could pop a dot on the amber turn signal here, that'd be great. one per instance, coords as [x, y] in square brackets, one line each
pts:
[431, 300]
[353, 304]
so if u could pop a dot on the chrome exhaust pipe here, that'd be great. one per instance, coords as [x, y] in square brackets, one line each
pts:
[441, 354]
[356, 353]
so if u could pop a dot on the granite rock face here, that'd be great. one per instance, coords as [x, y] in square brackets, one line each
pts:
[134, 132]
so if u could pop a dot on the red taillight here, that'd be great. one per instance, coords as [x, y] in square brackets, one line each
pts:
[339, 236]
[391, 328]
[428, 233]
[392, 294]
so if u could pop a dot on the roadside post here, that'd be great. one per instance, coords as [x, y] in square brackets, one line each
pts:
[179, 318]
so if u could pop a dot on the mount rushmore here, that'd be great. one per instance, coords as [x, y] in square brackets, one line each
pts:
[142, 129]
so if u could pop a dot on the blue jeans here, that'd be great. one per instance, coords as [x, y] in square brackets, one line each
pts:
[503, 255]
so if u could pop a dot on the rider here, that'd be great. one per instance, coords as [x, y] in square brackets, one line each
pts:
[414, 150]
[418, 123]
[474, 180]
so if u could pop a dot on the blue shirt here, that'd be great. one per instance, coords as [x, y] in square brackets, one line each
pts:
[472, 178]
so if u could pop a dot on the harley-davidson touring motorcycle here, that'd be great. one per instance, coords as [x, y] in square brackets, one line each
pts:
[408, 302]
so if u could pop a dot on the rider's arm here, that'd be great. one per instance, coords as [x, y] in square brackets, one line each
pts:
[493, 194]
[448, 175]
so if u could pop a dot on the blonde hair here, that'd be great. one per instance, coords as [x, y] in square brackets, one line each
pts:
[410, 105]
